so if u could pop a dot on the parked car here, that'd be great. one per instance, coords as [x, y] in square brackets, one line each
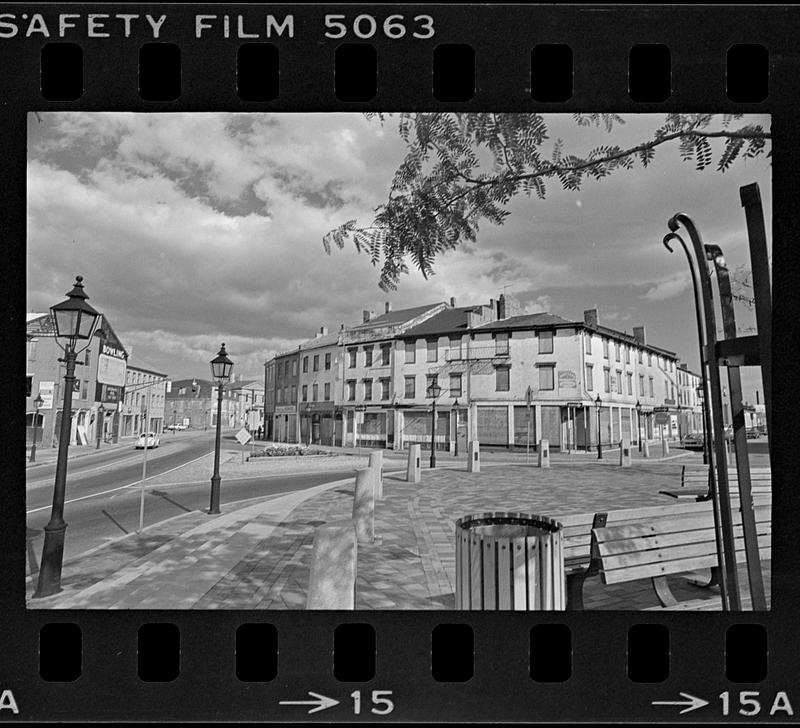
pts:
[693, 441]
[147, 440]
[752, 433]
[177, 427]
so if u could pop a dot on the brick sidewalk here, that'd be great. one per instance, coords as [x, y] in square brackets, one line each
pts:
[257, 557]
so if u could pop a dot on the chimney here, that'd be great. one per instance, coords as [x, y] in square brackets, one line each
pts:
[323, 330]
[387, 307]
[590, 318]
[638, 334]
[366, 315]
[501, 306]
[452, 302]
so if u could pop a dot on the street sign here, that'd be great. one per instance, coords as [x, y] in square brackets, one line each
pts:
[660, 409]
[662, 418]
[243, 436]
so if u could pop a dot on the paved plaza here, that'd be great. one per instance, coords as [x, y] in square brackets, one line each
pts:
[256, 554]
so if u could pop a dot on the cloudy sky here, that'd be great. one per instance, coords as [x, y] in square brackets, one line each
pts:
[194, 229]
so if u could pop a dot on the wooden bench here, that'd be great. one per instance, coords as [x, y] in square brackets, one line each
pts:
[579, 562]
[694, 483]
[673, 543]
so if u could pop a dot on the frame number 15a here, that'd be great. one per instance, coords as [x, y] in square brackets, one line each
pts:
[381, 704]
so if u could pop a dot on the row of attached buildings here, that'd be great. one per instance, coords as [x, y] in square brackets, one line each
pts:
[115, 396]
[506, 379]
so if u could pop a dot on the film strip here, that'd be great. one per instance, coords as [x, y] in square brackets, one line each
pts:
[476, 663]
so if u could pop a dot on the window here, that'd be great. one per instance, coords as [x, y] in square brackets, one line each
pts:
[589, 376]
[28, 385]
[294, 392]
[305, 363]
[368, 355]
[587, 337]
[455, 347]
[649, 359]
[411, 352]
[181, 391]
[501, 344]
[605, 348]
[547, 378]
[327, 391]
[627, 354]
[545, 342]
[294, 367]
[433, 349]
[386, 350]
[85, 389]
[351, 390]
[87, 359]
[630, 383]
[641, 385]
[429, 380]
[410, 392]
[501, 379]
[367, 389]
[352, 354]
[616, 350]
[455, 385]
[280, 396]
[606, 379]
[619, 382]
[385, 388]
[640, 356]
[305, 393]
[652, 393]
[316, 362]
[327, 362]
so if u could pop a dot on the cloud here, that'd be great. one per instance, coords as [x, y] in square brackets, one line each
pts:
[674, 285]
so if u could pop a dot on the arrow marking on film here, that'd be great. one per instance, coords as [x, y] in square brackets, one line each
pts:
[692, 702]
[321, 702]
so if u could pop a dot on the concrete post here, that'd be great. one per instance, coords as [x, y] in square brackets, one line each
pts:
[474, 459]
[376, 465]
[332, 576]
[645, 449]
[364, 505]
[625, 452]
[544, 453]
[664, 447]
[413, 469]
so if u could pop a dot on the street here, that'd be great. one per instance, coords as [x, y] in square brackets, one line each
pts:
[103, 492]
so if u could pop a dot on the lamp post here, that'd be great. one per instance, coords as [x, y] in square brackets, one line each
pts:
[75, 321]
[100, 416]
[639, 422]
[433, 390]
[37, 403]
[455, 448]
[221, 368]
[597, 403]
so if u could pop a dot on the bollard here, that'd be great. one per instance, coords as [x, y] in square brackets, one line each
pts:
[625, 452]
[645, 449]
[364, 505]
[413, 468]
[544, 453]
[474, 457]
[376, 464]
[332, 576]
[664, 448]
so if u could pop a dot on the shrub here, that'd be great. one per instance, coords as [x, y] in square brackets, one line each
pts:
[291, 450]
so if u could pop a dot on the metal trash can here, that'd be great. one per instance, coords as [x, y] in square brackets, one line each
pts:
[509, 561]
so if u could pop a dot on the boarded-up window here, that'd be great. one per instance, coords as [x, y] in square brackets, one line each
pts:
[521, 426]
[492, 425]
[551, 425]
[546, 377]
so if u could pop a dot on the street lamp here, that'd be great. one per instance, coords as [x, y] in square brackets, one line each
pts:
[100, 416]
[221, 368]
[639, 422]
[455, 449]
[598, 402]
[75, 321]
[37, 403]
[433, 390]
